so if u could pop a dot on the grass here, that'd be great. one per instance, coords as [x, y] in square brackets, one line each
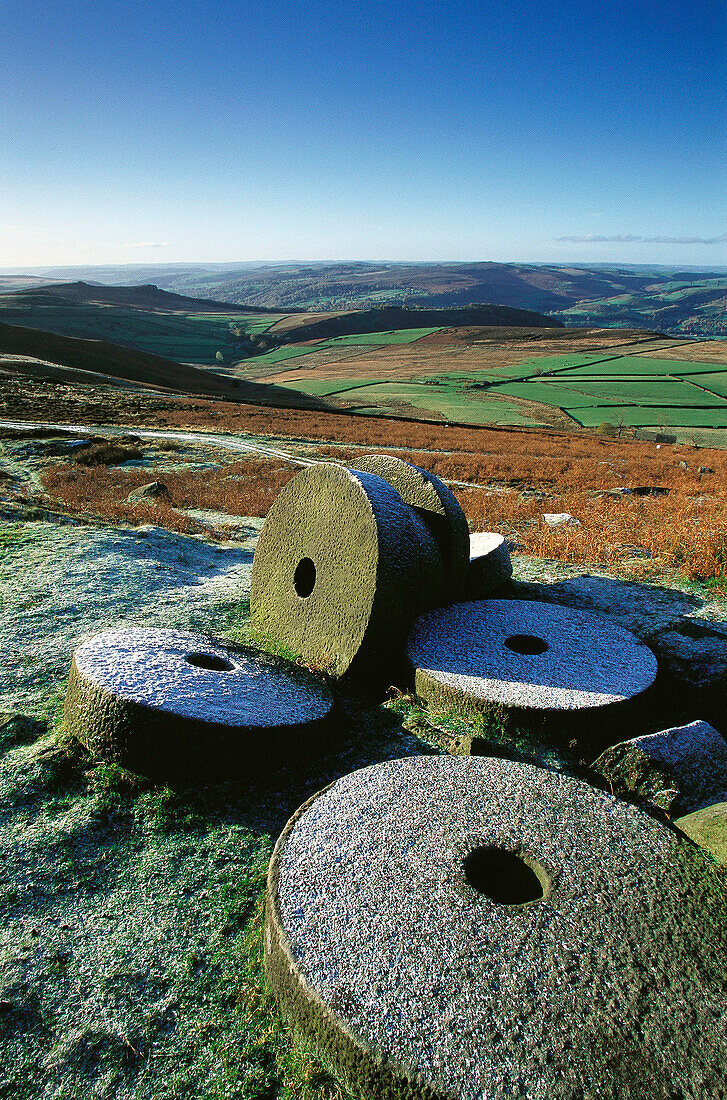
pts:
[653, 416]
[135, 966]
[395, 336]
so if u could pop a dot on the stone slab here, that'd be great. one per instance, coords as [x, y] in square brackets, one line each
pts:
[471, 928]
[159, 701]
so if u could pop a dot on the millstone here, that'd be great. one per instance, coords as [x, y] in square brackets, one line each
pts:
[438, 507]
[169, 702]
[470, 928]
[340, 571]
[490, 566]
[532, 658]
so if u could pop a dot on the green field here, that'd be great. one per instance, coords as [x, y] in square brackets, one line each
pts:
[634, 417]
[631, 390]
[366, 339]
[452, 401]
[715, 381]
[637, 392]
[381, 339]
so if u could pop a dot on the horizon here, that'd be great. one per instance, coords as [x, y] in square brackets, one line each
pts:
[49, 269]
[550, 134]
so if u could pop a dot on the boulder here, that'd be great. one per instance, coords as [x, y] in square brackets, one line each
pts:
[152, 493]
[681, 768]
[561, 519]
[708, 828]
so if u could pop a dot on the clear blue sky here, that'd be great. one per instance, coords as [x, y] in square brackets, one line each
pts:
[169, 130]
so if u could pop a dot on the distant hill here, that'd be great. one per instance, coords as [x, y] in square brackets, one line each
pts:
[677, 301]
[103, 363]
[627, 296]
[148, 297]
[390, 318]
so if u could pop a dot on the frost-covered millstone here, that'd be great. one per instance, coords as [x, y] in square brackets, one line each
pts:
[338, 572]
[469, 928]
[439, 508]
[535, 660]
[490, 566]
[167, 703]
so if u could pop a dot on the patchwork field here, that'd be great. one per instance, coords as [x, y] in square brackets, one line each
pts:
[502, 382]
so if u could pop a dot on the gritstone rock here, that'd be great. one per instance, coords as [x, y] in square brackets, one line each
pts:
[561, 519]
[471, 928]
[687, 635]
[490, 566]
[340, 570]
[437, 506]
[708, 828]
[165, 702]
[153, 492]
[684, 767]
[532, 659]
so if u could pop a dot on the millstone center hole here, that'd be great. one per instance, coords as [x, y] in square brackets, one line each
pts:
[503, 876]
[209, 661]
[526, 644]
[304, 578]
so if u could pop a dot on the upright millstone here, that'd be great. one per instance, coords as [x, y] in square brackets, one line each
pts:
[465, 928]
[339, 570]
[168, 703]
[439, 509]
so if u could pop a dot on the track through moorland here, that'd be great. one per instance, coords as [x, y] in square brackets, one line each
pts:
[223, 442]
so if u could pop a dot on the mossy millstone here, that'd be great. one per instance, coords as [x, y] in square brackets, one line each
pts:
[437, 506]
[534, 660]
[339, 569]
[467, 927]
[168, 703]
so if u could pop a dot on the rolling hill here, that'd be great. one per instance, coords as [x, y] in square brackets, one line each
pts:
[32, 353]
[676, 301]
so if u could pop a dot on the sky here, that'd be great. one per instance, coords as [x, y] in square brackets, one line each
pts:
[510, 130]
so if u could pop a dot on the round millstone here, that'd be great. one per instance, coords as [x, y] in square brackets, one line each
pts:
[531, 658]
[165, 702]
[468, 928]
[437, 506]
[490, 566]
[339, 571]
